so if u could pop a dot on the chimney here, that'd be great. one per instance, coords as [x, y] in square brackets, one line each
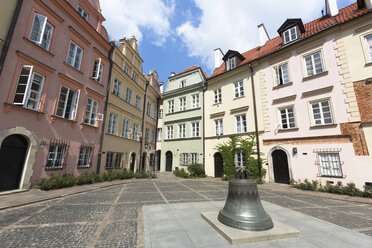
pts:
[133, 43]
[331, 8]
[364, 4]
[218, 55]
[264, 37]
[161, 86]
[173, 74]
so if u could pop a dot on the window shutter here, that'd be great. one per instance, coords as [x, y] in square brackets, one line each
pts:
[38, 28]
[23, 85]
[96, 68]
[76, 105]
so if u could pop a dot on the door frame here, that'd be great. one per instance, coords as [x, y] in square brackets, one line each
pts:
[166, 159]
[214, 163]
[271, 162]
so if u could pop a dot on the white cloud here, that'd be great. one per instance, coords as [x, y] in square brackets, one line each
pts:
[233, 24]
[132, 17]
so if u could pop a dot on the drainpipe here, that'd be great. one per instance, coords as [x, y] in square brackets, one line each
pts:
[143, 120]
[156, 132]
[203, 116]
[10, 34]
[256, 124]
[112, 43]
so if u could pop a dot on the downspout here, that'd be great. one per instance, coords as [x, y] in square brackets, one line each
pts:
[203, 116]
[112, 43]
[10, 34]
[256, 124]
[143, 122]
[156, 132]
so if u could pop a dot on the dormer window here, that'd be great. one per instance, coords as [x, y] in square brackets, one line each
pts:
[82, 12]
[290, 35]
[183, 84]
[230, 63]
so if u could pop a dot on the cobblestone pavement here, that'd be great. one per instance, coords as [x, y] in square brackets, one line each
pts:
[112, 217]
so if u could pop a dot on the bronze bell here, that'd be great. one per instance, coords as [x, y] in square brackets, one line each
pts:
[243, 208]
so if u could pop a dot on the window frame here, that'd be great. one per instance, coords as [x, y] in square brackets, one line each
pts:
[230, 63]
[158, 134]
[128, 95]
[92, 117]
[239, 89]
[311, 54]
[170, 106]
[218, 127]
[218, 96]
[138, 102]
[169, 132]
[289, 31]
[148, 110]
[195, 100]
[195, 129]
[182, 103]
[368, 48]
[74, 56]
[313, 121]
[97, 70]
[87, 157]
[135, 131]
[183, 84]
[41, 32]
[241, 123]
[82, 12]
[181, 130]
[74, 103]
[112, 126]
[325, 163]
[126, 128]
[59, 153]
[286, 108]
[278, 72]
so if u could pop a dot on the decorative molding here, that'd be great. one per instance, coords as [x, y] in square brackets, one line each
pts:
[35, 61]
[364, 28]
[71, 80]
[284, 99]
[93, 92]
[240, 109]
[217, 114]
[75, 32]
[317, 91]
[311, 46]
[279, 59]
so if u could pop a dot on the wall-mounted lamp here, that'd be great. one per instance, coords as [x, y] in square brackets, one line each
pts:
[294, 150]
[42, 144]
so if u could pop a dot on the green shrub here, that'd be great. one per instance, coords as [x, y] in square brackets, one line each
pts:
[86, 178]
[196, 170]
[98, 178]
[127, 174]
[182, 173]
[141, 175]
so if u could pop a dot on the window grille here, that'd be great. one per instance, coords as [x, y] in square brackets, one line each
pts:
[329, 162]
[85, 155]
[57, 154]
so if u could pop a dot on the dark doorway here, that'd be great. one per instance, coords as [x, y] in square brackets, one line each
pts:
[132, 161]
[168, 161]
[281, 172]
[143, 166]
[12, 158]
[158, 153]
[218, 165]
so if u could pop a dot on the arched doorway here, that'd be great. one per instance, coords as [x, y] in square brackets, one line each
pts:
[143, 166]
[218, 165]
[12, 159]
[168, 161]
[281, 171]
[132, 161]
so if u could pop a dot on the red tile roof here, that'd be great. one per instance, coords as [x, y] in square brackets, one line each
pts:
[348, 13]
[190, 69]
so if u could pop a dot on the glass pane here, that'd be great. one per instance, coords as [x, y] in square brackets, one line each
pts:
[47, 36]
[37, 26]
[71, 53]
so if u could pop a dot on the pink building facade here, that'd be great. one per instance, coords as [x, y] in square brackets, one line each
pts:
[53, 88]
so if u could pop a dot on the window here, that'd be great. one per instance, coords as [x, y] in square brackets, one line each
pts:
[287, 118]
[170, 106]
[56, 155]
[183, 84]
[147, 133]
[67, 103]
[125, 132]
[195, 129]
[126, 69]
[148, 108]
[118, 157]
[330, 164]
[193, 158]
[134, 77]
[195, 100]
[91, 112]
[218, 127]
[182, 105]
[282, 74]
[181, 131]
[322, 114]
[113, 124]
[135, 131]
[160, 114]
[128, 96]
[138, 102]
[75, 54]
[97, 70]
[117, 88]
[85, 156]
[230, 64]
[369, 46]
[110, 160]
[239, 89]
[240, 159]
[314, 64]
[29, 87]
[217, 96]
[155, 113]
[241, 124]
[82, 12]
[153, 136]
[169, 132]
[184, 158]
[290, 35]
[158, 134]
[41, 32]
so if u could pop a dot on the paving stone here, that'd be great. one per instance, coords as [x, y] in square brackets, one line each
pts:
[215, 195]
[119, 234]
[10, 216]
[126, 211]
[142, 189]
[184, 196]
[173, 188]
[167, 184]
[369, 232]
[362, 211]
[140, 197]
[285, 202]
[91, 198]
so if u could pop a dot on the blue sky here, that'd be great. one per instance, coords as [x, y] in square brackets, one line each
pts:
[176, 34]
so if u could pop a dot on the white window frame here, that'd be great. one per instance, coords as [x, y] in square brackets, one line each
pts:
[195, 101]
[85, 156]
[148, 109]
[74, 57]
[128, 96]
[322, 113]
[126, 128]
[239, 89]
[171, 106]
[126, 69]
[286, 120]
[134, 77]
[118, 159]
[230, 63]
[240, 159]
[117, 88]
[147, 134]
[170, 132]
[292, 35]
[83, 13]
[182, 130]
[282, 74]
[194, 158]
[182, 104]
[158, 134]
[153, 136]
[112, 127]
[160, 114]
[241, 124]
[135, 131]
[44, 32]
[56, 155]
[368, 39]
[27, 92]
[138, 102]
[330, 164]
[195, 129]
[155, 113]
[184, 158]
[218, 127]
[97, 70]
[218, 96]
[310, 65]
[91, 112]
[110, 160]
[71, 112]
[183, 83]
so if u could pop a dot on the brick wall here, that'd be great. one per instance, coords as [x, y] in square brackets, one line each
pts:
[357, 137]
[363, 93]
